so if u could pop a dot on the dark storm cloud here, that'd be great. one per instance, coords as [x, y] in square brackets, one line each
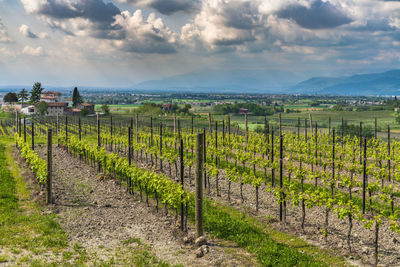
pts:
[241, 15]
[167, 7]
[94, 10]
[320, 15]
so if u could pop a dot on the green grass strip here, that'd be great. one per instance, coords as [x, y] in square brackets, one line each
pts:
[226, 223]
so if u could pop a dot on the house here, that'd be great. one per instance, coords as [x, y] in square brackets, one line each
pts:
[50, 96]
[75, 111]
[29, 110]
[243, 111]
[56, 108]
[69, 102]
[88, 106]
[166, 107]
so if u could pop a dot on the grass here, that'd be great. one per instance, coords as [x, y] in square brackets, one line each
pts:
[25, 230]
[272, 248]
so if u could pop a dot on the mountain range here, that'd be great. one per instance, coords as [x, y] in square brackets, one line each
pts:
[249, 81]
[384, 84]
[231, 81]
[258, 81]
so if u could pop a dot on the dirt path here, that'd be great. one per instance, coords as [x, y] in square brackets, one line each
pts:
[97, 213]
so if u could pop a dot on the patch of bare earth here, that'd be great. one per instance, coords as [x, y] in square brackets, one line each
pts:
[99, 213]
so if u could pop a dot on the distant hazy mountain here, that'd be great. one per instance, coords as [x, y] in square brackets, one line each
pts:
[236, 81]
[386, 83]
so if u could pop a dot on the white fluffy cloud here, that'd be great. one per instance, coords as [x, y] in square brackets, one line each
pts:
[26, 31]
[143, 35]
[30, 51]
[4, 38]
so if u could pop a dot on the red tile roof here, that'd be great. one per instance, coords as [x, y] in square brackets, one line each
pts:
[87, 104]
[57, 104]
[51, 93]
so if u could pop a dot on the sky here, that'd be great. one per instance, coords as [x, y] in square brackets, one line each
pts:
[120, 43]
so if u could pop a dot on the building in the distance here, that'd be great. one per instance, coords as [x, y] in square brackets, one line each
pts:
[69, 102]
[50, 96]
[88, 106]
[55, 108]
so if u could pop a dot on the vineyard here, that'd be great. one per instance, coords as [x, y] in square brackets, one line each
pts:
[333, 188]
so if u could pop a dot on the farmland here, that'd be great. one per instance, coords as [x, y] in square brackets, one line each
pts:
[262, 189]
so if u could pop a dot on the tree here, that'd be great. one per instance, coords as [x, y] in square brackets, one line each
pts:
[84, 112]
[36, 92]
[23, 95]
[42, 108]
[10, 97]
[105, 109]
[76, 98]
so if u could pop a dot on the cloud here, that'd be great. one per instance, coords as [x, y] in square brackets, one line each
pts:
[167, 7]
[144, 35]
[224, 23]
[25, 31]
[93, 10]
[30, 51]
[319, 15]
[4, 38]
[88, 17]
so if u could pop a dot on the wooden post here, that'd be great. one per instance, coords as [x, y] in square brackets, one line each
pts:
[66, 132]
[281, 176]
[329, 124]
[209, 121]
[360, 137]
[205, 156]
[311, 125]
[179, 129]
[182, 173]
[272, 158]
[333, 162]
[58, 130]
[192, 123]
[130, 146]
[24, 130]
[33, 136]
[229, 128]
[161, 146]
[19, 128]
[137, 127]
[80, 129]
[388, 148]
[98, 131]
[151, 131]
[364, 175]
[216, 157]
[175, 124]
[376, 128]
[199, 185]
[16, 122]
[223, 132]
[49, 198]
[247, 127]
[111, 132]
[298, 128]
[280, 124]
